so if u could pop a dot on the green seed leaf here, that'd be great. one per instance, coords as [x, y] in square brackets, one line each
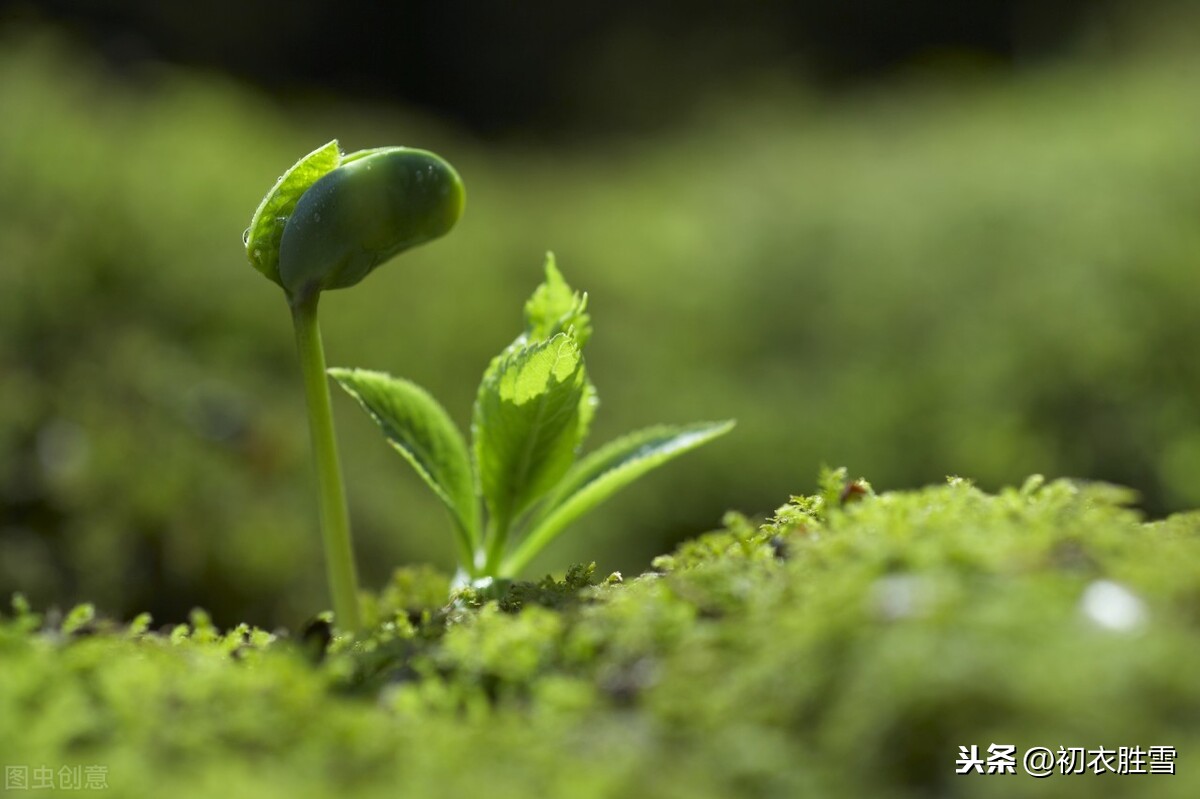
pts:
[526, 423]
[375, 205]
[603, 473]
[266, 228]
[421, 430]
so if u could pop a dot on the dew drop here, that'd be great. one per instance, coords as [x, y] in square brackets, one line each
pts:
[246, 236]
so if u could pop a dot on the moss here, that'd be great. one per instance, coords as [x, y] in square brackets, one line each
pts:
[846, 647]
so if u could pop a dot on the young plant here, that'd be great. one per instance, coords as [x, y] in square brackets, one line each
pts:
[327, 223]
[532, 412]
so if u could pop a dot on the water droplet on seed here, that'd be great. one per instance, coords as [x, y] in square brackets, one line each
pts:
[246, 236]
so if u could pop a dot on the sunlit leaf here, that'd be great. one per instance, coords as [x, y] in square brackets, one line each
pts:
[556, 308]
[266, 228]
[420, 430]
[603, 473]
[526, 423]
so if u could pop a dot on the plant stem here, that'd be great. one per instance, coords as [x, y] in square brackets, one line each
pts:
[496, 537]
[331, 494]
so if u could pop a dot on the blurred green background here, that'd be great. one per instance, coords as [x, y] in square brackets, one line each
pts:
[954, 260]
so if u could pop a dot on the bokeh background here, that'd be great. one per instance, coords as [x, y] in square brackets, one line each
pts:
[916, 239]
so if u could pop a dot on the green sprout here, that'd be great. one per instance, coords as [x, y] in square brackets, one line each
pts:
[532, 412]
[328, 222]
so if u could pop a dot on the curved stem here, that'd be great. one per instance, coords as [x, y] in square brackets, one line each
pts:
[331, 495]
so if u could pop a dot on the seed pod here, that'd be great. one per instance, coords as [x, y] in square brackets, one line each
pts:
[374, 205]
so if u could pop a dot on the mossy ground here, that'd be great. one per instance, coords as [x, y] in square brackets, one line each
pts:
[846, 648]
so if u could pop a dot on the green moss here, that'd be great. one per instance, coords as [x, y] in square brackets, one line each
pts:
[847, 647]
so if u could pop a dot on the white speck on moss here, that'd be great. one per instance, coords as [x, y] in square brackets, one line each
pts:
[1112, 606]
[902, 596]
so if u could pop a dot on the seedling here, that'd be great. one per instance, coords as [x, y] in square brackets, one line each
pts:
[329, 221]
[532, 412]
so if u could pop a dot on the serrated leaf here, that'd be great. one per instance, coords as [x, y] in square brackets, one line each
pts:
[266, 228]
[421, 431]
[556, 308]
[526, 423]
[553, 308]
[603, 473]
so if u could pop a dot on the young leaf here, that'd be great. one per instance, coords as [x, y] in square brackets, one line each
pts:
[603, 473]
[420, 430]
[526, 423]
[266, 228]
[556, 308]
[553, 308]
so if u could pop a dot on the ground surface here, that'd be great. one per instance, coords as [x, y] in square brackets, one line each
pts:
[847, 648]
